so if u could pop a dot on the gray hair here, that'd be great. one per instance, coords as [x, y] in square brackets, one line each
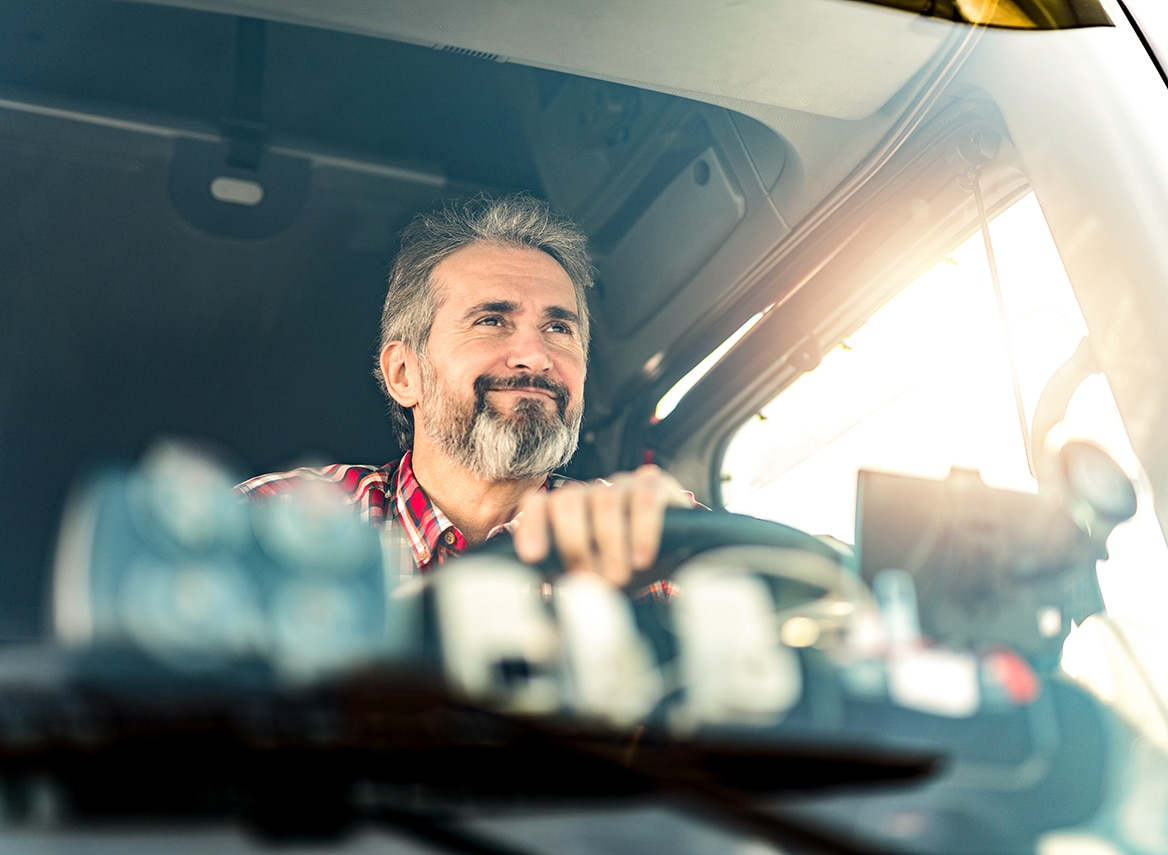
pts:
[412, 301]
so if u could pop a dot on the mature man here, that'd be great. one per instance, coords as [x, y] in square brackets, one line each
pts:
[484, 340]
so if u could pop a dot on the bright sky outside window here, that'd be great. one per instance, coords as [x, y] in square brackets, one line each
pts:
[924, 386]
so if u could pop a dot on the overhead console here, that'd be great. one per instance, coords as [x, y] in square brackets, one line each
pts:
[673, 193]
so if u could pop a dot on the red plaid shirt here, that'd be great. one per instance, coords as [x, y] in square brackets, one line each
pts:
[391, 492]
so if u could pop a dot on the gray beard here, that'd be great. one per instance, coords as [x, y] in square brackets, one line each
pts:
[528, 443]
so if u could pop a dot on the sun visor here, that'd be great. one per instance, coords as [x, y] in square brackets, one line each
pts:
[678, 233]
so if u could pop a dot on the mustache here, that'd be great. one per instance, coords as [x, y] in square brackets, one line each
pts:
[485, 383]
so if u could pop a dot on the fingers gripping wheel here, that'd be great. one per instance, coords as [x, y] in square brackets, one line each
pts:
[688, 532]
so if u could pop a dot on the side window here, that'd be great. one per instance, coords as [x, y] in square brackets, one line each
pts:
[940, 376]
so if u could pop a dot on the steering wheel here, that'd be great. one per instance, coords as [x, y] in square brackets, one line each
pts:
[736, 543]
[690, 531]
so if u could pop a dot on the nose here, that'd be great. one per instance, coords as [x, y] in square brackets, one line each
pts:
[528, 351]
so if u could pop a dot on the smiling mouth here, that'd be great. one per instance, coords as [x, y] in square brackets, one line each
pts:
[525, 390]
[526, 387]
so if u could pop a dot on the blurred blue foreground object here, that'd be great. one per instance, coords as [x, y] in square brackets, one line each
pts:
[164, 557]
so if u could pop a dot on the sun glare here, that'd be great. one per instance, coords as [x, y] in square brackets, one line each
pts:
[926, 385]
[680, 389]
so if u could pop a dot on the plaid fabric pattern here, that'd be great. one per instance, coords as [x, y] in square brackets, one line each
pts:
[392, 493]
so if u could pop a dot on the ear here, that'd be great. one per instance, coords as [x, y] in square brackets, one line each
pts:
[403, 376]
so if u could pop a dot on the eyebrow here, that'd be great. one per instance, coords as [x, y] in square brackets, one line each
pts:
[505, 307]
[559, 313]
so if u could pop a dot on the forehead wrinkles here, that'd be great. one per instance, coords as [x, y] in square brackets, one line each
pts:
[576, 312]
[506, 263]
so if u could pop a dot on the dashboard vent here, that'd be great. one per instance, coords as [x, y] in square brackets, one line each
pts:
[478, 54]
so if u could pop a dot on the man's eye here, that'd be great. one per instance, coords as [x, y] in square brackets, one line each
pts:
[490, 321]
[559, 327]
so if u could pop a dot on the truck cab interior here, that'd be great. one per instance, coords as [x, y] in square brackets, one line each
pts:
[831, 237]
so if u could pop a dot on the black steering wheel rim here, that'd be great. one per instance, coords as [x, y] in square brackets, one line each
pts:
[690, 531]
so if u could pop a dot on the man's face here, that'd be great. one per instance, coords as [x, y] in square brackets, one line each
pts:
[503, 373]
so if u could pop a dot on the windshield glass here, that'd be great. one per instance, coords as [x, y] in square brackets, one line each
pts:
[927, 384]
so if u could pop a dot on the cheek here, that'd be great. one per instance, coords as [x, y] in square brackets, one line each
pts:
[572, 371]
[469, 360]
[460, 362]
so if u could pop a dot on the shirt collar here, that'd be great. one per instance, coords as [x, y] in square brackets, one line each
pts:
[429, 532]
[420, 518]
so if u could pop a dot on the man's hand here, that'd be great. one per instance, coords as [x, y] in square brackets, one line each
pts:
[613, 530]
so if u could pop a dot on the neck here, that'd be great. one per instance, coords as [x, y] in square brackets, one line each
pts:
[475, 505]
